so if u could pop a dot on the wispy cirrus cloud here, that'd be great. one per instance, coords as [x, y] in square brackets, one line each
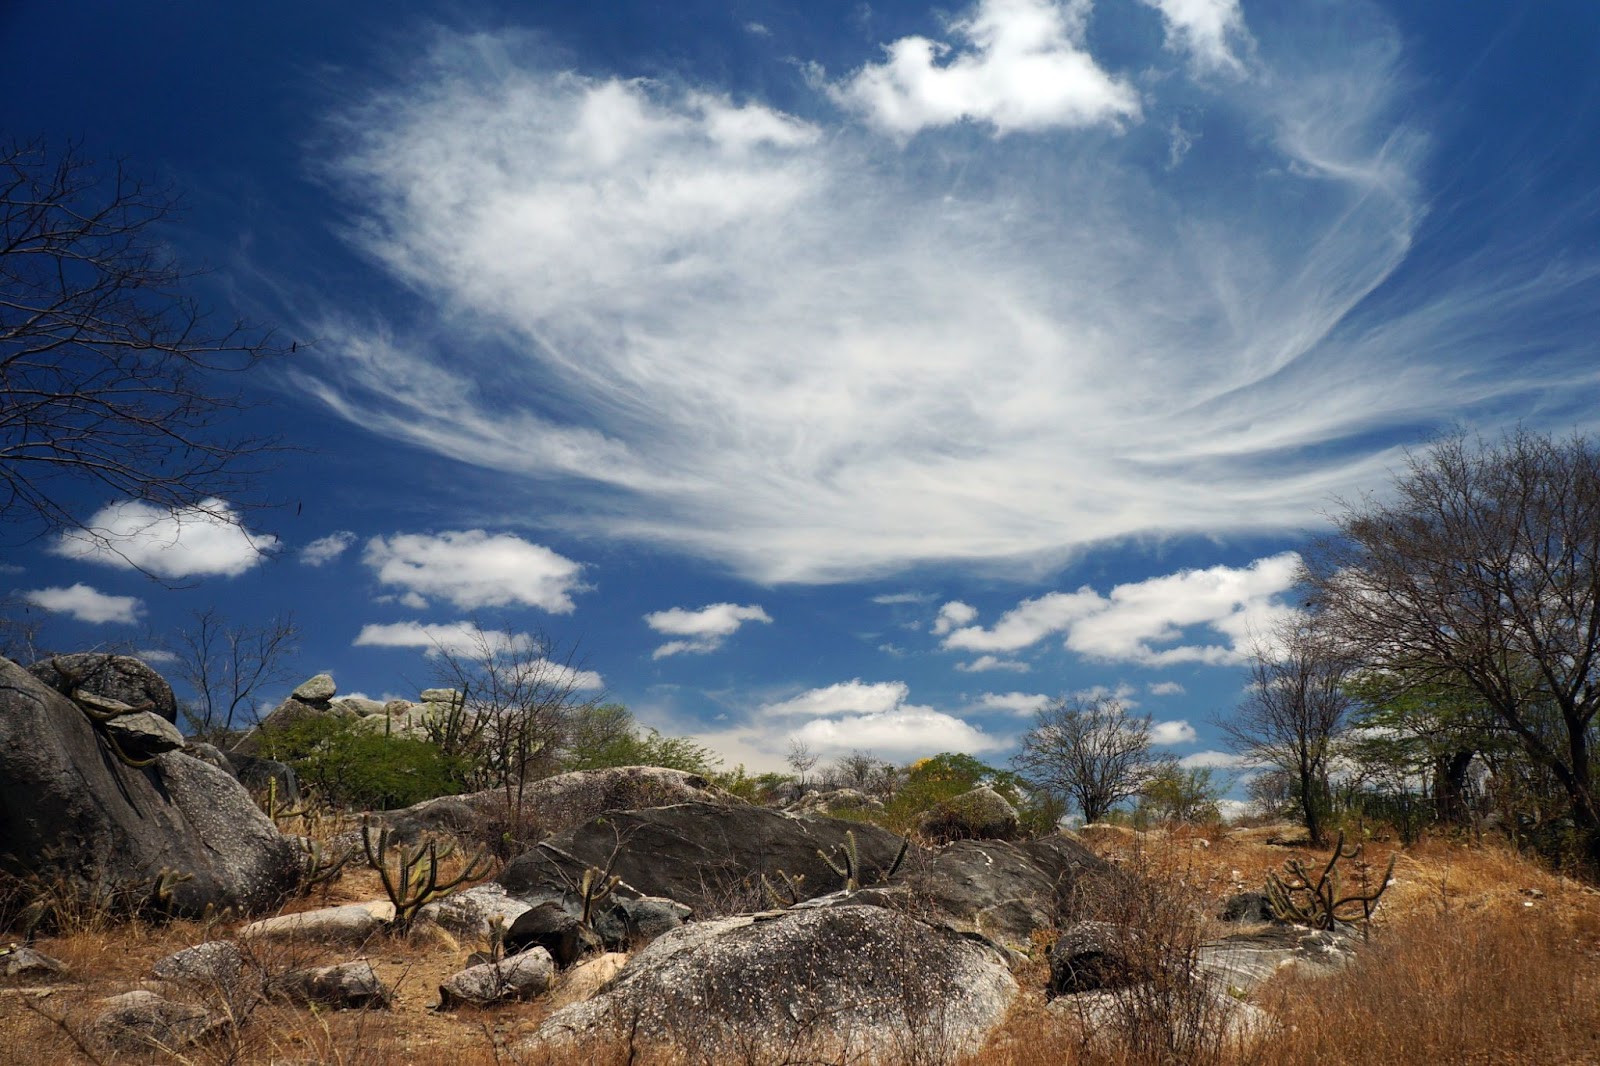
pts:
[960, 347]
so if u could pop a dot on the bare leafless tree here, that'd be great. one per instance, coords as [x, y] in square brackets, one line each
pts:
[1481, 573]
[1296, 710]
[226, 668]
[108, 367]
[518, 695]
[1090, 752]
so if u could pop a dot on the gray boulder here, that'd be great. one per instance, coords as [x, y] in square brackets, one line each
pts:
[519, 977]
[553, 804]
[345, 986]
[144, 735]
[1004, 890]
[123, 678]
[215, 964]
[851, 983]
[22, 963]
[258, 774]
[71, 810]
[143, 1021]
[982, 814]
[707, 856]
[319, 689]
[1090, 956]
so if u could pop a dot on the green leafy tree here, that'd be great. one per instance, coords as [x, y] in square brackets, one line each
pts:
[609, 735]
[347, 764]
[1181, 794]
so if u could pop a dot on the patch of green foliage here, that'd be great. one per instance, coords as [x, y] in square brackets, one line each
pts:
[609, 735]
[349, 765]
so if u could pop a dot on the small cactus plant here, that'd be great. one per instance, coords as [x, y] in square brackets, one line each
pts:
[411, 875]
[1320, 903]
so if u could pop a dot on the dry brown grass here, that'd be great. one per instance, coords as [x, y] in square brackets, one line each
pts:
[1477, 956]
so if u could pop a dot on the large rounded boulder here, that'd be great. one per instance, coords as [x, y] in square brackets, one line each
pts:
[169, 831]
[826, 984]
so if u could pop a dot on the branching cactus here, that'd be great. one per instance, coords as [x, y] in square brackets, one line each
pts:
[793, 890]
[278, 809]
[850, 867]
[411, 875]
[1321, 902]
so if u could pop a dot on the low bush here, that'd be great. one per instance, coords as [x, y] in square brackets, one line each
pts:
[348, 765]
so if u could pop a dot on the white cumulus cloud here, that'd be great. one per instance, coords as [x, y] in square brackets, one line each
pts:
[328, 548]
[1206, 29]
[1165, 688]
[1019, 703]
[1017, 65]
[984, 663]
[206, 540]
[1150, 622]
[467, 639]
[472, 568]
[1169, 733]
[872, 716]
[704, 629]
[86, 604]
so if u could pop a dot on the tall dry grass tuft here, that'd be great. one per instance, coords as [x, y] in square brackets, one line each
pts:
[1500, 987]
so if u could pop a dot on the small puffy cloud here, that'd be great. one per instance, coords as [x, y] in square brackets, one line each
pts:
[208, 539]
[326, 549]
[953, 615]
[1165, 688]
[1216, 760]
[1019, 703]
[1017, 65]
[1122, 693]
[156, 655]
[86, 604]
[905, 732]
[985, 663]
[846, 697]
[757, 29]
[472, 568]
[891, 598]
[855, 714]
[457, 638]
[703, 630]
[464, 638]
[1168, 733]
[1204, 29]
[1146, 621]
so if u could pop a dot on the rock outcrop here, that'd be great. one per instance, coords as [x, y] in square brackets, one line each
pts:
[129, 681]
[851, 983]
[708, 856]
[982, 814]
[73, 810]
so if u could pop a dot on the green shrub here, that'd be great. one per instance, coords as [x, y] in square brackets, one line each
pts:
[349, 765]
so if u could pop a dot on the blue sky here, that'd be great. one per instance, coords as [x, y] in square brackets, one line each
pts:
[857, 373]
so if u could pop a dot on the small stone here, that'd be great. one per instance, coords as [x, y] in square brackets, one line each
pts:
[440, 695]
[23, 963]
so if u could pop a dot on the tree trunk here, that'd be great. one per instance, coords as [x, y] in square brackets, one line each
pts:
[1450, 786]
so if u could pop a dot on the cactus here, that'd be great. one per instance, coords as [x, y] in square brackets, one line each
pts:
[850, 868]
[318, 867]
[167, 880]
[278, 811]
[412, 878]
[595, 888]
[793, 893]
[1321, 903]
